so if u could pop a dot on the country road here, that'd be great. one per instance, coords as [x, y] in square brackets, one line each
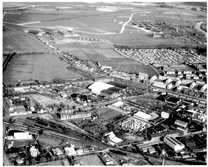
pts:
[198, 27]
[124, 25]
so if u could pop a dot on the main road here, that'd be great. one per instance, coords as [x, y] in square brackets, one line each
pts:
[124, 25]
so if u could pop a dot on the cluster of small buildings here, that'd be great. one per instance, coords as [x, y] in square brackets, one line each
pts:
[47, 154]
[84, 67]
[20, 106]
[129, 76]
[178, 84]
[162, 57]
[173, 31]
[70, 114]
[107, 160]
[88, 39]
[151, 56]
[134, 125]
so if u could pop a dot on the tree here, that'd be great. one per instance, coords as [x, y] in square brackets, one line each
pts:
[42, 159]
[27, 163]
[40, 132]
[53, 158]
[33, 161]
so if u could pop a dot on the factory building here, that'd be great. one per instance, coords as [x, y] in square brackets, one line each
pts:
[142, 115]
[176, 145]
[97, 87]
[182, 127]
[105, 89]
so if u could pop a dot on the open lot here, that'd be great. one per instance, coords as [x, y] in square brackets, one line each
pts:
[90, 160]
[43, 100]
[49, 141]
[108, 113]
[30, 67]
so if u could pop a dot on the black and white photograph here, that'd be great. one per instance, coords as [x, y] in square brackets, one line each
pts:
[104, 83]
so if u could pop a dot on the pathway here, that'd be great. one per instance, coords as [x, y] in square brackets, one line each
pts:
[124, 25]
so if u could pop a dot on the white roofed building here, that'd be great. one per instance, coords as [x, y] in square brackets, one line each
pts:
[97, 87]
[70, 150]
[176, 145]
[142, 115]
[118, 104]
[112, 139]
[159, 84]
[22, 136]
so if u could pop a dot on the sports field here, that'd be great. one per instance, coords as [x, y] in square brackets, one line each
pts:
[108, 113]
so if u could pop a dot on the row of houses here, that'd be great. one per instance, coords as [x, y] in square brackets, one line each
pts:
[168, 83]
[151, 56]
[70, 114]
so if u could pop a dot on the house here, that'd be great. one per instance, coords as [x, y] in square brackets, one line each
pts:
[168, 70]
[57, 151]
[8, 104]
[34, 152]
[159, 84]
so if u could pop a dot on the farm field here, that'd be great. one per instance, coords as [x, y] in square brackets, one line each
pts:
[49, 141]
[98, 54]
[30, 17]
[16, 41]
[107, 25]
[30, 67]
[138, 39]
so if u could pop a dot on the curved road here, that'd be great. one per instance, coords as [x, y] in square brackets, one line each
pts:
[198, 27]
[124, 25]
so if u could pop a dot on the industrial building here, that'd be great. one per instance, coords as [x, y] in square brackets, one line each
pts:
[105, 89]
[112, 139]
[176, 145]
[142, 115]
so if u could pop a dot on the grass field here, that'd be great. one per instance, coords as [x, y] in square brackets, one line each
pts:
[29, 17]
[49, 141]
[30, 67]
[16, 41]
[98, 54]
[108, 113]
[90, 160]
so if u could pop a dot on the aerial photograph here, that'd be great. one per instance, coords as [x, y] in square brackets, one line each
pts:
[104, 83]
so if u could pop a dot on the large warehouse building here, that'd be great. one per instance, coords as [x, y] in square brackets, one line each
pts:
[106, 89]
